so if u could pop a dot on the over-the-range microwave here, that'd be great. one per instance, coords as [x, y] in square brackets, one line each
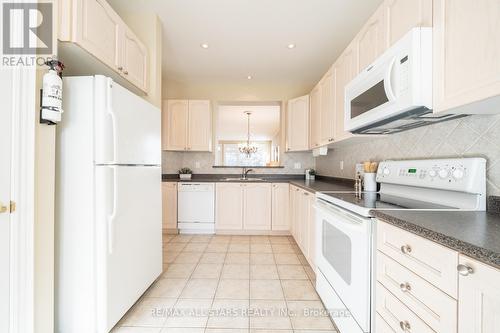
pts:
[394, 93]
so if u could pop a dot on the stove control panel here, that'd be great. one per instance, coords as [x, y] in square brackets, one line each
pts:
[463, 174]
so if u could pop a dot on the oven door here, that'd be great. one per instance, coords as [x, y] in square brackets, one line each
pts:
[344, 258]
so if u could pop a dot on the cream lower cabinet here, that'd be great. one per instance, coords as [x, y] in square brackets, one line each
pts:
[243, 206]
[303, 230]
[280, 207]
[169, 205]
[425, 287]
[187, 125]
[478, 297]
[466, 49]
[297, 129]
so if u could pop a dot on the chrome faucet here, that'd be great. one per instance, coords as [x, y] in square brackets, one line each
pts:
[244, 173]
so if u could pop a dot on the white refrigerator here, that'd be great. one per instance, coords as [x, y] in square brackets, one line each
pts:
[108, 203]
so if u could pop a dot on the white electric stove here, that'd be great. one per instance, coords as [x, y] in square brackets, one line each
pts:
[345, 227]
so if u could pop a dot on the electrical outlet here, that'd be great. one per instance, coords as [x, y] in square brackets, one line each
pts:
[197, 165]
[297, 165]
[341, 165]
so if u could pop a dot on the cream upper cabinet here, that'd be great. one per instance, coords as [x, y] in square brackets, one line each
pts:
[257, 200]
[327, 126]
[280, 220]
[372, 39]
[403, 15]
[315, 114]
[229, 206]
[97, 29]
[466, 47]
[176, 124]
[187, 125]
[478, 297]
[298, 124]
[134, 59]
[199, 126]
[346, 68]
[169, 199]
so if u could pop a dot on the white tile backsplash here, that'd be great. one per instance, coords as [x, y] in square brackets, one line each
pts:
[464, 137]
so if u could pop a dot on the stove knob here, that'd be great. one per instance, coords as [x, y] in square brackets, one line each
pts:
[387, 171]
[433, 173]
[443, 173]
[458, 173]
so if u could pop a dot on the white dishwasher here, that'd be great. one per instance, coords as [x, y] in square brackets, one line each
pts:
[196, 208]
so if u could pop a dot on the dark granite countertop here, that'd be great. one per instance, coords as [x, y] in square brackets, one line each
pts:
[320, 184]
[475, 234]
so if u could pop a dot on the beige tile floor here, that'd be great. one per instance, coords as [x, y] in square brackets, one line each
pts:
[230, 284]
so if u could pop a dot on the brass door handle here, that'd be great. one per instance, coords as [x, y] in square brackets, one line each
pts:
[3, 209]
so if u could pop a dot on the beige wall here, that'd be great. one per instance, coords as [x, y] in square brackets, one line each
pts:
[465, 137]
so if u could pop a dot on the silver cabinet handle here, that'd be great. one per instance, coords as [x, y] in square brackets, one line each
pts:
[406, 249]
[120, 68]
[405, 325]
[464, 270]
[125, 72]
[405, 287]
[306, 193]
[330, 140]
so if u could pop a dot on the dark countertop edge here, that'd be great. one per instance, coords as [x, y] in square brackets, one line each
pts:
[475, 252]
[294, 179]
[248, 167]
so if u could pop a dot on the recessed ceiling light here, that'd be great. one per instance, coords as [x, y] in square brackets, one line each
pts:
[204, 45]
[249, 77]
[291, 46]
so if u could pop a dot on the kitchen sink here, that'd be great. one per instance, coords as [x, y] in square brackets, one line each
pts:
[240, 179]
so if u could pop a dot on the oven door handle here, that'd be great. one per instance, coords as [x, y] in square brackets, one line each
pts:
[349, 218]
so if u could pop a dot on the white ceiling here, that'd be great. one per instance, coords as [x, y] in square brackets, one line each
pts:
[232, 122]
[250, 37]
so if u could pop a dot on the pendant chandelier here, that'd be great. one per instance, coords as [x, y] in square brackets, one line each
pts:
[248, 149]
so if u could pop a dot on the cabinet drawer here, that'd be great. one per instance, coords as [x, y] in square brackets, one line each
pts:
[381, 325]
[433, 262]
[434, 307]
[397, 316]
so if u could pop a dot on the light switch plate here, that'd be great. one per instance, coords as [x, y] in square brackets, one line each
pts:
[297, 165]
[341, 165]
[197, 165]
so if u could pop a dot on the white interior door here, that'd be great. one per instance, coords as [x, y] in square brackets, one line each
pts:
[5, 165]
[128, 200]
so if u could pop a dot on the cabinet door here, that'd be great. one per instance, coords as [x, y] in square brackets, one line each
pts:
[478, 298]
[304, 222]
[315, 113]
[257, 200]
[311, 231]
[403, 15]
[169, 197]
[298, 124]
[97, 29]
[328, 107]
[466, 53]
[177, 118]
[295, 211]
[346, 68]
[372, 39]
[280, 207]
[229, 206]
[200, 126]
[134, 59]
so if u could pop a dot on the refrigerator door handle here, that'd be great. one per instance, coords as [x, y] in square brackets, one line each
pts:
[109, 108]
[112, 216]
